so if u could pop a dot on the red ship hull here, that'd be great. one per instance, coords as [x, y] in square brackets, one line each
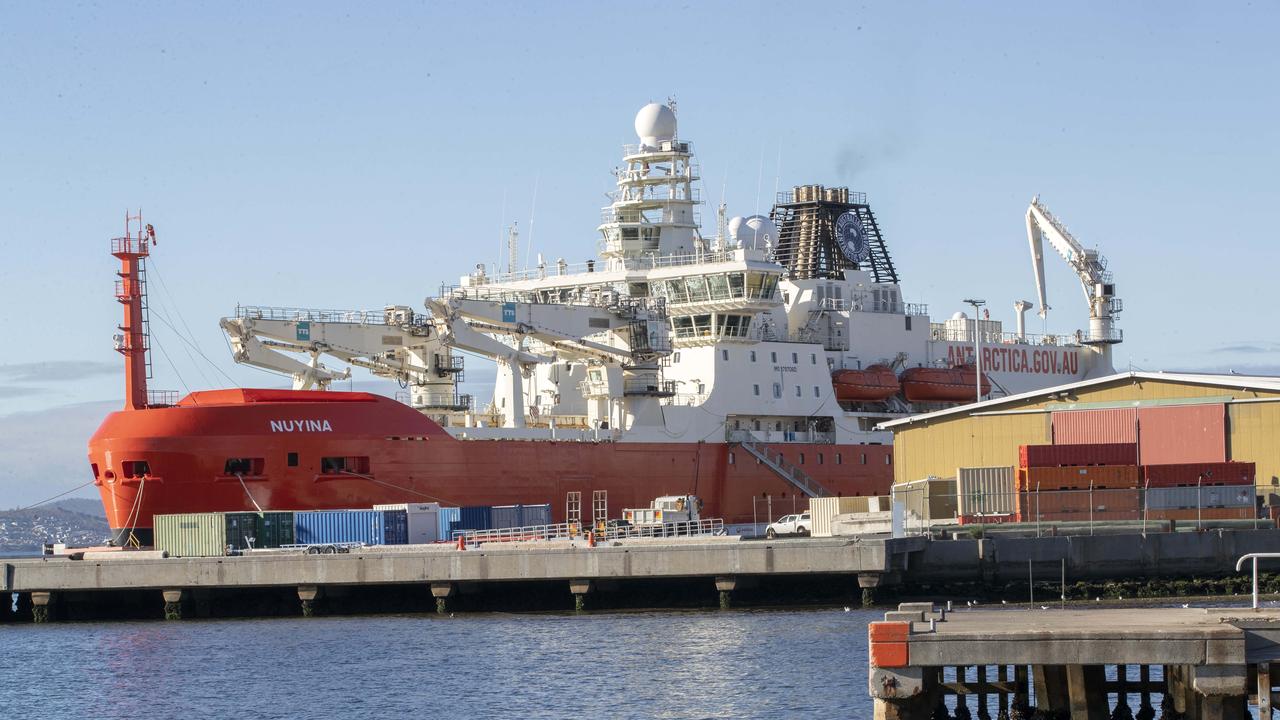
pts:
[283, 444]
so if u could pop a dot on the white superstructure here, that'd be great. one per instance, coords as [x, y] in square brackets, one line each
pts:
[670, 336]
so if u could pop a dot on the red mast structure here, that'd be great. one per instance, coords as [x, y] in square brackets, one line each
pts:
[131, 291]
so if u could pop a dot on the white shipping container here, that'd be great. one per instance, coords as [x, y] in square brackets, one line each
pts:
[986, 491]
[424, 520]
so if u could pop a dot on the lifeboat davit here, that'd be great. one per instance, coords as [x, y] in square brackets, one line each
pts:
[874, 384]
[932, 384]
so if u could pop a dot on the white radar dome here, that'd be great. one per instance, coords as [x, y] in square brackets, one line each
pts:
[755, 231]
[655, 123]
[959, 316]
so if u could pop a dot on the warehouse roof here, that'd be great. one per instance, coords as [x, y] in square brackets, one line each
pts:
[1242, 382]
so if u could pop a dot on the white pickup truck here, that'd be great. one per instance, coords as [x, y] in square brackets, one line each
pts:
[790, 525]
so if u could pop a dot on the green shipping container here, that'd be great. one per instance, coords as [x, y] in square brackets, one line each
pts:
[266, 530]
[191, 534]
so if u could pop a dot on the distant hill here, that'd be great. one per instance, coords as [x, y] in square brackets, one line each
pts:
[75, 521]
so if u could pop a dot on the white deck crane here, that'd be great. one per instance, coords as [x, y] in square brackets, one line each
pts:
[628, 338]
[1089, 265]
[396, 344]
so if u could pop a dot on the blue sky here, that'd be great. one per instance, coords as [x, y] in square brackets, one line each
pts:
[324, 155]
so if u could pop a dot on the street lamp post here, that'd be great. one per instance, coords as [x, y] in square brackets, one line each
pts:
[977, 342]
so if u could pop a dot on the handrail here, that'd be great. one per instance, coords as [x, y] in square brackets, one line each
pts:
[1254, 557]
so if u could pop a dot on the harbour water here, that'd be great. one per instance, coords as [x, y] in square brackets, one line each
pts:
[696, 664]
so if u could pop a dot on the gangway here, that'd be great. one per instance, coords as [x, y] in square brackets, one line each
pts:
[773, 460]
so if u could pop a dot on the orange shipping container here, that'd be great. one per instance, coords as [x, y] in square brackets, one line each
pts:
[1079, 478]
[1240, 513]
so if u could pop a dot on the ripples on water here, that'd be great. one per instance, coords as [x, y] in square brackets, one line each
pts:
[706, 664]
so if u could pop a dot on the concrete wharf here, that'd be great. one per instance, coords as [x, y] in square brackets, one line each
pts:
[727, 562]
[1081, 664]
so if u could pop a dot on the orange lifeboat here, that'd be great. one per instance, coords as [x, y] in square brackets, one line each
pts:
[932, 384]
[875, 384]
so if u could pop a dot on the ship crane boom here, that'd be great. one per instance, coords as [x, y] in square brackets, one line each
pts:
[1089, 266]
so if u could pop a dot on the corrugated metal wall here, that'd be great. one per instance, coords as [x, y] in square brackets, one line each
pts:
[1182, 434]
[938, 447]
[986, 491]
[1079, 427]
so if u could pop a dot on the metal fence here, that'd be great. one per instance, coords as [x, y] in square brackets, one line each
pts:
[567, 531]
[1162, 508]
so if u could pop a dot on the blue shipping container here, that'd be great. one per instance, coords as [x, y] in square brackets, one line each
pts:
[339, 526]
[474, 518]
[506, 516]
[448, 516]
[396, 527]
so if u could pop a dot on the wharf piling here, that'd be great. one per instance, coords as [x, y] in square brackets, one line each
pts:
[1089, 664]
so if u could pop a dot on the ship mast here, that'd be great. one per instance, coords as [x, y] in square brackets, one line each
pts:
[652, 213]
[131, 291]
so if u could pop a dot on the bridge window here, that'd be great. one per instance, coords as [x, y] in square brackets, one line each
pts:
[293, 459]
[777, 390]
[755, 389]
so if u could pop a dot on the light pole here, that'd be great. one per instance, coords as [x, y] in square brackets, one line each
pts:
[977, 341]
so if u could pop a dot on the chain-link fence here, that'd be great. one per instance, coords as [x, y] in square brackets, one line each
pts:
[925, 507]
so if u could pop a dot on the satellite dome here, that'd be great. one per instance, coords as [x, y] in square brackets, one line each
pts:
[735, 226]
[959, 316]
[756, 231]
[655, 123]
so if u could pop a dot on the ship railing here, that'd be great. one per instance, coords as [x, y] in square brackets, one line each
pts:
[939, 332]
[665, 147]
[621, 212]
[605, 531]
[889, 308]
[788, 197]
[294, 314]
[130, 246]
[162, 398]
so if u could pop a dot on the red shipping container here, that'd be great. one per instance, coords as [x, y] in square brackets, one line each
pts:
[1182, 434]
[1188, 474]
[1113, 425]
[1079, 478]
[1031, 456]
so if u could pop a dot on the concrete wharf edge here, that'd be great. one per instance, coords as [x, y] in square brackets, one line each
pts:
[868, 557]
